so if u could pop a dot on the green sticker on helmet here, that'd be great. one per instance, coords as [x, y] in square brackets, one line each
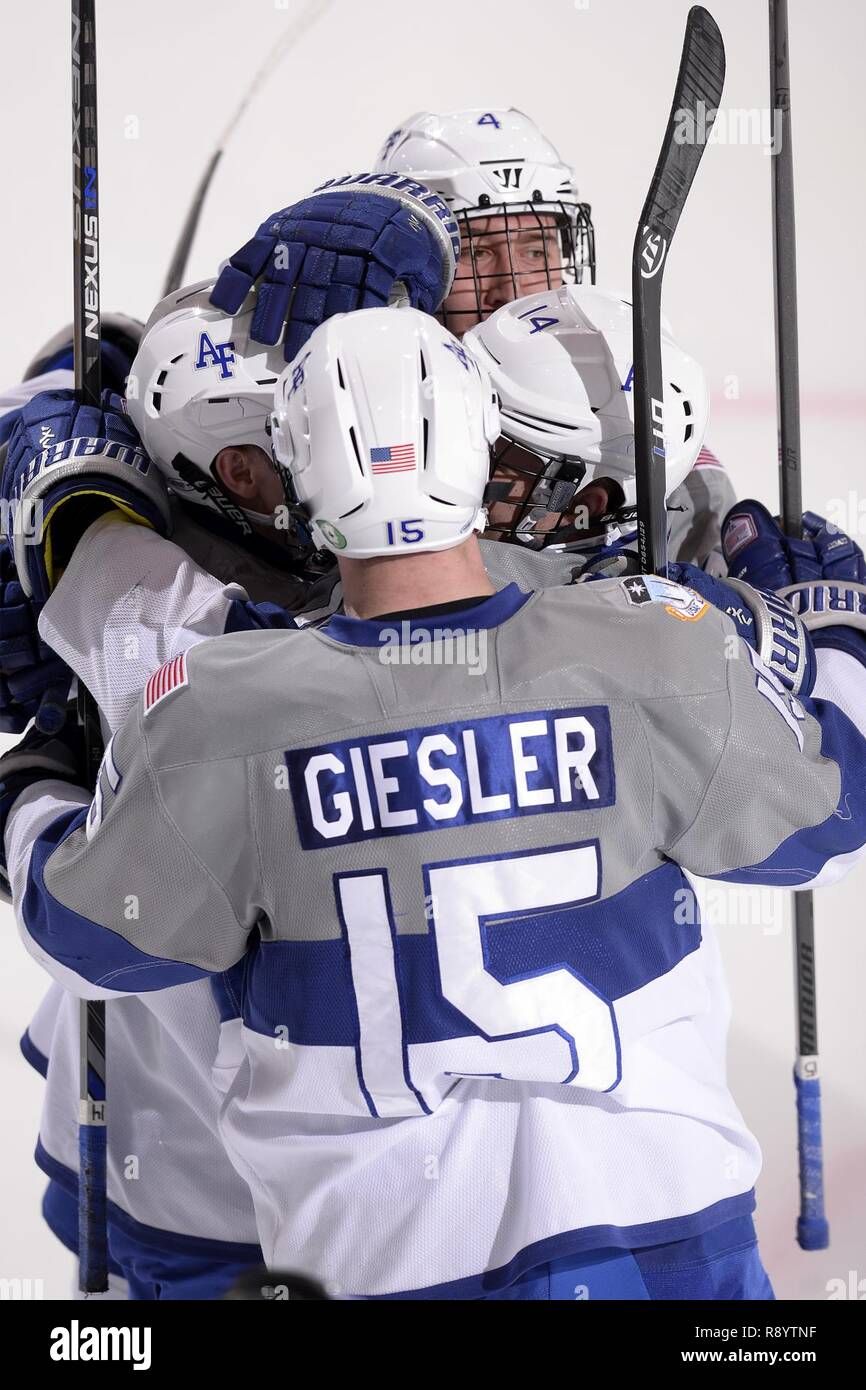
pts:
[332, 535]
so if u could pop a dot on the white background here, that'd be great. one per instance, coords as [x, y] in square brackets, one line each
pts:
[598, 78]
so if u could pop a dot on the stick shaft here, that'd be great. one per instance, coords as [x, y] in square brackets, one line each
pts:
[812, 1229]
[291, 36]
[92, 1197]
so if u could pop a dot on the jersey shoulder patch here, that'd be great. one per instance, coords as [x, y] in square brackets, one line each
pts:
[170, 677]
[679, 601]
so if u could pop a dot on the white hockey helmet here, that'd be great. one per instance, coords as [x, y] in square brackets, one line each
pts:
[383, 424]
[562, 364]
[496, 164]
[120, 337]
[198, 384]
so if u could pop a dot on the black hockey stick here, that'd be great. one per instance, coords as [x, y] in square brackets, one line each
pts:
[92, 1176]
[287, 41]
[696, 99]
[813, 1232]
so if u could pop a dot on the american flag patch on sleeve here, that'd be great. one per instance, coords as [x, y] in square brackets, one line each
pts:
[170, 677]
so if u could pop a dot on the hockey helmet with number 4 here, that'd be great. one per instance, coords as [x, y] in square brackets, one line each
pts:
[562, 365]
[383, 426]
[496, 164]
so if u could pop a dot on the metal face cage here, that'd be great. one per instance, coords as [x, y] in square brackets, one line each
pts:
[532, 500]
[573, 261]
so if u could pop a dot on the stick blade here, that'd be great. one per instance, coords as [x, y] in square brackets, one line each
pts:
[697, 95]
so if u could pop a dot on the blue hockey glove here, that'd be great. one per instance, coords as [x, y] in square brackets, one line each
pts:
[761, 618]
[358, 242]
[66, 463]
[34, 682]
[822, 576]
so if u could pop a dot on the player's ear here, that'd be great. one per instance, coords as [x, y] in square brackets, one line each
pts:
[233, 468]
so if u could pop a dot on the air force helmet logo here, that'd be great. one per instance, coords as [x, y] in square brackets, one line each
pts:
[211, 354]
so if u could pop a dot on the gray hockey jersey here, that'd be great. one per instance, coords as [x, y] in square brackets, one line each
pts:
[169, 1056]
[479, 1029]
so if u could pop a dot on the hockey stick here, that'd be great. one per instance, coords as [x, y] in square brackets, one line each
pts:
[291, 36]
[92, 1175]
[813, 1232]
[696, 99]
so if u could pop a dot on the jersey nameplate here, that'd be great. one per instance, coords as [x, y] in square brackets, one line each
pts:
[452, 774]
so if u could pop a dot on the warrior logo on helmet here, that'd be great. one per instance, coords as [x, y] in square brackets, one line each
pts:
[523, 227]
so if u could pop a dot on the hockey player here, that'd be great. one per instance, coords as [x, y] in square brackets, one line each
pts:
[176, 1237]
[523, 225]
[202, 393]
[562, 364]
[523, 229]
[171, 1234]
[453, 883]
[141, 590]
[145, 603]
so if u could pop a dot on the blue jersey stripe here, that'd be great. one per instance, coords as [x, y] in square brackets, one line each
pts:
[375, 632]
[587, 1238]
[802, 856]
[94, 952]
[617, 945]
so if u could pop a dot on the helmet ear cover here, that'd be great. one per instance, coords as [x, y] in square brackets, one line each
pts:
[297, 511]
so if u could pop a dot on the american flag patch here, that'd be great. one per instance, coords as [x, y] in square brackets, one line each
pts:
[393, 458]
[171, 676]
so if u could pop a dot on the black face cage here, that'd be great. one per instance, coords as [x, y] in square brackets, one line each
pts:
[525, 496]
[575, 237]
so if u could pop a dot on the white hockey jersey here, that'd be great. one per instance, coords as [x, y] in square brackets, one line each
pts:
[519, 1126]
